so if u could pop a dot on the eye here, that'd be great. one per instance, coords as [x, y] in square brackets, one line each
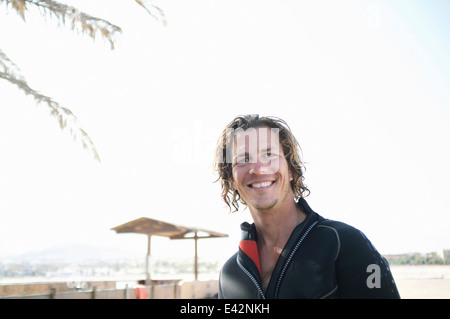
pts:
[243, 160]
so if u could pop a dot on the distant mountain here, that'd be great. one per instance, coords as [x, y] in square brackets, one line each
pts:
[74, 253]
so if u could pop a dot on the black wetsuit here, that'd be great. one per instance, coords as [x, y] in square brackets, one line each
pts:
[322, 259]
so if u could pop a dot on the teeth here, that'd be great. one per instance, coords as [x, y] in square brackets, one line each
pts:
[259, 185]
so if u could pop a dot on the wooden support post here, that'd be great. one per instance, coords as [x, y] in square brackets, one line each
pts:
[196, 257]
[52, 293]
[147, 263]
[125, 292]
[94, 291]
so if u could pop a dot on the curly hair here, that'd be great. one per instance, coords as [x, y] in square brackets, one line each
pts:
[291, 150]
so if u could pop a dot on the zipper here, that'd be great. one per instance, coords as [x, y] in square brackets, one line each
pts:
[290, 257]
[253, 279]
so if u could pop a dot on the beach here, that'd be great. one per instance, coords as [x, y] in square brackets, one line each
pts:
[422, 281]
[413, 281]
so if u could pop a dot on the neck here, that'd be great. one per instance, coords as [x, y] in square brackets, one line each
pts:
[275, 227]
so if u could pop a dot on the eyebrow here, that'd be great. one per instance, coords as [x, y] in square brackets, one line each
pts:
[246, 153]
[242, 154]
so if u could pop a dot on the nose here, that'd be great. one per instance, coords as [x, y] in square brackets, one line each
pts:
[260, 167]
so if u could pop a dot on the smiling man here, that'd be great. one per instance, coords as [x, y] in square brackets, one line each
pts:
[289, 251]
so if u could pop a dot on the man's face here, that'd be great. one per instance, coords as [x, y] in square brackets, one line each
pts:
[260, 170]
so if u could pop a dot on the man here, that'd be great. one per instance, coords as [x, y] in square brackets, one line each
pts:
[289, 251]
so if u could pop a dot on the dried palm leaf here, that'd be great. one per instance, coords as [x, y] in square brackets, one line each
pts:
[66, 119]
[68, 15]
[160, 12]
[77, 21]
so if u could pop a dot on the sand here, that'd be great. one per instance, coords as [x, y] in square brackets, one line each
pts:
[422, 282]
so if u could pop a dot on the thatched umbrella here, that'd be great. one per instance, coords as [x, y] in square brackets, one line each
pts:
[152, 227]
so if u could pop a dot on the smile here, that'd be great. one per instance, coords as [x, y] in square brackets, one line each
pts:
[261, 185]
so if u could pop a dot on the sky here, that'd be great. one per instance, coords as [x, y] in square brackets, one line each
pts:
[362, 84]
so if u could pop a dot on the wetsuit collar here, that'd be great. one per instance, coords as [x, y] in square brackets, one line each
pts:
[248, 251]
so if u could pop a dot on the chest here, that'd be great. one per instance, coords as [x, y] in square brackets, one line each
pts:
[268, 260]
[307, 273]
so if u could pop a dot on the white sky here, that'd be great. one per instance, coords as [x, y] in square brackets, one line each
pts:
[363, 85]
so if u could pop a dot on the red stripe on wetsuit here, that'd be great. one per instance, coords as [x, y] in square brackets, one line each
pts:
[251, 250]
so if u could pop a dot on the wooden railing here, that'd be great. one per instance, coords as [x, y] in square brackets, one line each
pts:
[176, 290]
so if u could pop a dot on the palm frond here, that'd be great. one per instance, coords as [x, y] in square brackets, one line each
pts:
[77, 21]
[18, 5]
[160, 12]
[68, 15]
[66, 119]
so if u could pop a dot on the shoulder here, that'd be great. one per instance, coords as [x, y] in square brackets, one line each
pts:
[354, 261]
[334, 237]
[343, 231]
[230, 264]
[234, 283]
[354, 246]
[338, 226]
[224, 277]
[351, 240]
[229, 270]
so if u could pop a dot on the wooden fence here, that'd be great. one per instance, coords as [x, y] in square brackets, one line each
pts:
[183, 290]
